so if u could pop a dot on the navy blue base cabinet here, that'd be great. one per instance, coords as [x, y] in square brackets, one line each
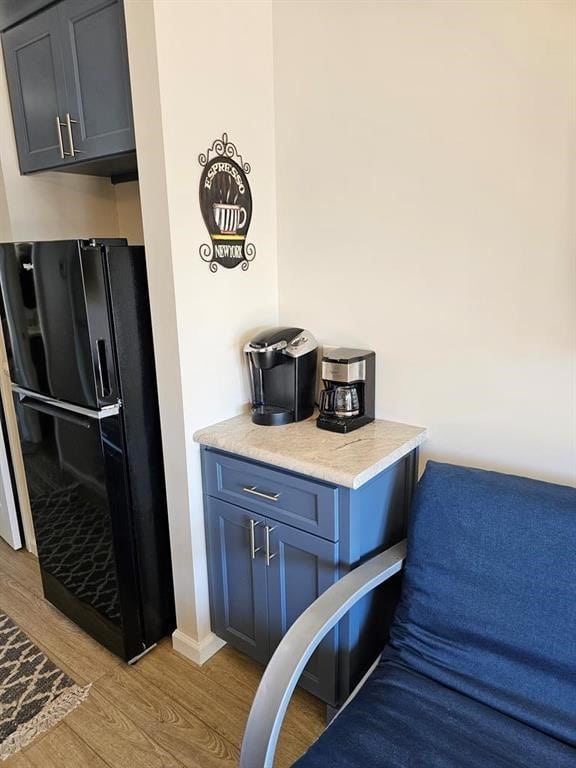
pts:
[277, 540]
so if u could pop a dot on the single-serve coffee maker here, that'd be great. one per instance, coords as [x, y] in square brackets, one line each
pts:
[282, 363]
[347, 400]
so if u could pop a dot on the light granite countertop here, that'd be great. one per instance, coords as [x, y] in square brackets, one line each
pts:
[349, 460]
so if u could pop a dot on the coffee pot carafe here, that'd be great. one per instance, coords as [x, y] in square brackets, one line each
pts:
[341, 401]
[347, 400]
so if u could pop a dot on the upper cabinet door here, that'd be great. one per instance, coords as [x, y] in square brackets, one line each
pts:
[35, 72]
[97, 78]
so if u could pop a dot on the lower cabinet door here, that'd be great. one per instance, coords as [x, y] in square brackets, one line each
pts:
[237, 569]
[301, 567]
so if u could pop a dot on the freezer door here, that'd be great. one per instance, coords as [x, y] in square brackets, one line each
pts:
[55, 320]
[75, 470]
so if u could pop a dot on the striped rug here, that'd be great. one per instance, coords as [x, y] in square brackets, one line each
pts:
[34, 694]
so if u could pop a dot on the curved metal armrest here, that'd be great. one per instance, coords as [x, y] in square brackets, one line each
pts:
[298, 644]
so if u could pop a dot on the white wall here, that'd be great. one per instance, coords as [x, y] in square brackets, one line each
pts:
[199, 69]
[425, 173]
[5, 226]
[129, 212]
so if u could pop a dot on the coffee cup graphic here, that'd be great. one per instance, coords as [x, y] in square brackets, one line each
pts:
[229, 218]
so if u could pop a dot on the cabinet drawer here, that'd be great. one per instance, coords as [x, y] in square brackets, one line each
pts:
[305, 504]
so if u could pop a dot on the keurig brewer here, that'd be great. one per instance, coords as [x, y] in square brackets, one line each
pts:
[347, 400]
[282, 364]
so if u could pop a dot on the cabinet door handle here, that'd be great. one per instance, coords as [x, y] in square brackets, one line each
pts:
[255, 492]
[269, 556]
[59, 126]
[73, 150]
[253, 547]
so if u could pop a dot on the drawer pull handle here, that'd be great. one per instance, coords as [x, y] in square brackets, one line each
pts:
[253, 547]
[269, 556]
[255, 492]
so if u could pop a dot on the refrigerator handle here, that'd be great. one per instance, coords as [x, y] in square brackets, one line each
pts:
[30, 396]
[57, 413]
[102, 362]
[35, 397]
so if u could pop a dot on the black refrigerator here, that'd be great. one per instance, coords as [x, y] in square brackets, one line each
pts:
[78, 336]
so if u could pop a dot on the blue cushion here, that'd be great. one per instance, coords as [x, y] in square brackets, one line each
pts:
[401, 719]
[488, 603]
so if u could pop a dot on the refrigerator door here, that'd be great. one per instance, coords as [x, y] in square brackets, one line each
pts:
[130, 312]
[74, 461]
[56, 323]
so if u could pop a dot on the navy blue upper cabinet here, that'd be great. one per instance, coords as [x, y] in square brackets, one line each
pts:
[69, 83]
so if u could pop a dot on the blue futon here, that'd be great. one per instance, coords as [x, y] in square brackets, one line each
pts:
[480, 670]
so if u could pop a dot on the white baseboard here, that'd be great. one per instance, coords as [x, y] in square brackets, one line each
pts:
[198, 652]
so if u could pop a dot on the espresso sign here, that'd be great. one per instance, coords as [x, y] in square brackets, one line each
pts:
[226, 205]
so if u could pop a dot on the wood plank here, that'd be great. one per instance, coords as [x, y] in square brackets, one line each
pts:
[61, 747]
[79, 655]
[116, 739]
[166, 721]
[19, 760]
[220, 709]
[22, 566]
[182, 680]
[241, 675]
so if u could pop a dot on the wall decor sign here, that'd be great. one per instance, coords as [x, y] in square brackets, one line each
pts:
[226, 205]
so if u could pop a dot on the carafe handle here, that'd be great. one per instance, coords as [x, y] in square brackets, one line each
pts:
[327, 401]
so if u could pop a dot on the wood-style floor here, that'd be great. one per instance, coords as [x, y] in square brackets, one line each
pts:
[164, 712]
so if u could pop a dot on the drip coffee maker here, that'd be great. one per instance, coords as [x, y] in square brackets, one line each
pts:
[347, 400]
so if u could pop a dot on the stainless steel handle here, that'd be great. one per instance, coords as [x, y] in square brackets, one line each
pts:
[253, 547]
[59, 126]
[73, 150]
[255, 492]
[101, 413]
[269, 556]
